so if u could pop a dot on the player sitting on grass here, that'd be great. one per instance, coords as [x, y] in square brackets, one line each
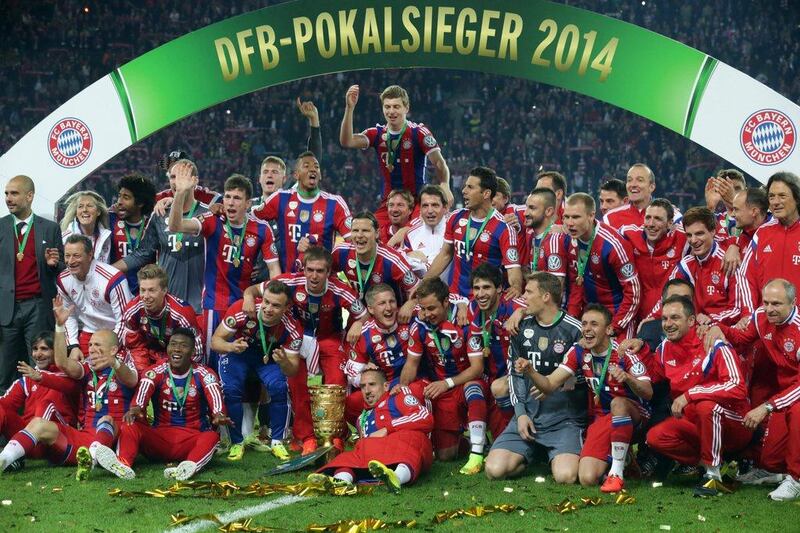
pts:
[394, 447]
[185, 396]
[107, 382]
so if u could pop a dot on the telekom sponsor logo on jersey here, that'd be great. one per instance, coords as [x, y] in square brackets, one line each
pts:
[70, 142]
[768, 137]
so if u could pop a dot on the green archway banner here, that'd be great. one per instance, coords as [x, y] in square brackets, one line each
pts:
[658, 78]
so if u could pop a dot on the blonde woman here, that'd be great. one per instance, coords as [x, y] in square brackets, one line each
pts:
[86, 214]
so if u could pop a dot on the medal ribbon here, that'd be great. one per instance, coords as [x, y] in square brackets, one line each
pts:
[237, 253]
[21, 245]
[435, 335]
[179, 235]
[362, 282]
[585, 259]
[486, 332]
[98, 396]
[160, 330]
[180, 398]
[267, 349]
[308, 194]
[603, 372]
[391, 150]
[467, 248]
[132, 243]
[536, 249]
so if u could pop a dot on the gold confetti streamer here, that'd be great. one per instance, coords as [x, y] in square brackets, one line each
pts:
[229, 489]
[474, 512]
[359, 526]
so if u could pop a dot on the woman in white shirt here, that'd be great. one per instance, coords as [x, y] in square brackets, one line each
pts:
[86, 213]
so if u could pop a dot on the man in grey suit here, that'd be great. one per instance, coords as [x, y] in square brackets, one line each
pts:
[30, 260]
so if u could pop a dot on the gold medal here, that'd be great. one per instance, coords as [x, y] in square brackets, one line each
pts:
[596, 400]
[236, 262]
[579, 281]
[20, 256]
[178, 246]
[390, 168]
[486, 352]
[266, 359]
[98, 406]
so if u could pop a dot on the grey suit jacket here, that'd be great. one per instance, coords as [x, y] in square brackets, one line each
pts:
[48, 235]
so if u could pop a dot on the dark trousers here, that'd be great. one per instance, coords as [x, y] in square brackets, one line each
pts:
[30, 318]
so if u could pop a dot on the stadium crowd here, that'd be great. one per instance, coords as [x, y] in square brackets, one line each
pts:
[167, 321]
[554, 326]
[53, 49]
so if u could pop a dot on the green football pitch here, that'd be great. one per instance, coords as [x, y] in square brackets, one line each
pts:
[41, 498]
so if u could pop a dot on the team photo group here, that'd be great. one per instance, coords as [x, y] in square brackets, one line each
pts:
[606, 339]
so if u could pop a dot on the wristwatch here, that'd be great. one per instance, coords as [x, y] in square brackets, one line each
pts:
[769, 407]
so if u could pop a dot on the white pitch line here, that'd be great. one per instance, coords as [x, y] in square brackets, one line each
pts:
[233, 516]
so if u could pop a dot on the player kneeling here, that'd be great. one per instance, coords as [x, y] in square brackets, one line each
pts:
[184, 395]
[621, 387]
[394, 447]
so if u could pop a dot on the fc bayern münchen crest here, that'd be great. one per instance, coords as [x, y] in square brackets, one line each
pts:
[788, 345]
[768, 137]
[69, 142]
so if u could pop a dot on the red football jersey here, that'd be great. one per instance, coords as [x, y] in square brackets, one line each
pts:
[177, 406]
[41, 398]
[149, 335]
[321, 315]
[448, 362]
[288, 333]
[496, 363]
[496, 244]
[228, 275]
[409, 149]
[654, 263]
[386, 349]
[318, 218]
[580, 361]
[390, 267]
[714, 292]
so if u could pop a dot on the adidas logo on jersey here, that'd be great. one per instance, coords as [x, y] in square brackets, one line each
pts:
[768, 249]
[768, 336]
[672, 362]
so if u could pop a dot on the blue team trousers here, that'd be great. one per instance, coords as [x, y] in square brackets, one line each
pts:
[233, 371]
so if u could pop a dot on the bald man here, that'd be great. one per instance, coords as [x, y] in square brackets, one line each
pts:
[30, 260]
[107, 380]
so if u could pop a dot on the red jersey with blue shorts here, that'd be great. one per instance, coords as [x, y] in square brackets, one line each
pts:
[409, 150]
[496, 245]
[318, 218]
[230, 262]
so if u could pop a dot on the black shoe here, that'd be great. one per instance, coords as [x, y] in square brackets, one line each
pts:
[16, 466]
[710, 487]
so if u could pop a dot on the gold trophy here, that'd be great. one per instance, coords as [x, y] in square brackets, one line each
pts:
[327, 412]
